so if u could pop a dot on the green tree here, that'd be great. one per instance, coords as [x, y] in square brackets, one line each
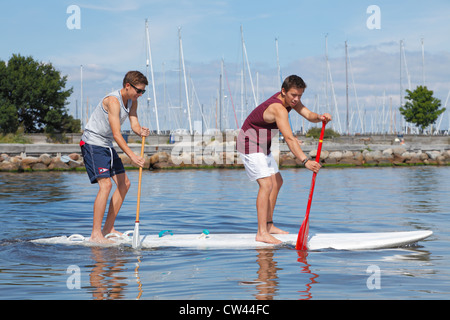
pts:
[8, 112]
[314, 132]
[8, 117]
[37, 92]
[421, 109]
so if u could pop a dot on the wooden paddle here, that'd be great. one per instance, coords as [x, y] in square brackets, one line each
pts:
[136, 237]
[302, 239]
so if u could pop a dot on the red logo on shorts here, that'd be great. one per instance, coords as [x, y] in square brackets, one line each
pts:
[102, 170]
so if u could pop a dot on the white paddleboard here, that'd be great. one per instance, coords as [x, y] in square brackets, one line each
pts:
[337, 241]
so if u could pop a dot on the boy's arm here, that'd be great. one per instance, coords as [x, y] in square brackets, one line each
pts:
[135, 126]
[310, 115]
[282, 120]
[113, 107]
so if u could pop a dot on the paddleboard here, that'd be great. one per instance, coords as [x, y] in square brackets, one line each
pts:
[337, 241]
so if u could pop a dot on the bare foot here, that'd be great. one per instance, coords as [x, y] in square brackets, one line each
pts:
[114, 231]
[267, 238]
[100, 239]
[274, 230]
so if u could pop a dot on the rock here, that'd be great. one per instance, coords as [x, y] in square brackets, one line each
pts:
[45, 159]
[125, 159]
[8, 166]
[159, 157]
[323, 154]
[407, 155]
[287, 160]
[39, 166]
[209, 159]
[440, 160]
[433, 154]
[228, 158]
[74, 156]
[29, 161]
[358, 156]
[415, 159]
[57, 164]
[422, 156]
[347, 154]
[446, 154]
[17, 160]
[334, 157]
[398, 151]
[369, 157]
[337, 155]
[349, 157]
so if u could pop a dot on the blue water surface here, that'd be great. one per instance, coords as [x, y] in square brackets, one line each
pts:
[47, 204]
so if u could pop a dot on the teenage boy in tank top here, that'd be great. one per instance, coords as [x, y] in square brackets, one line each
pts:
[101, 160]
[254, 142]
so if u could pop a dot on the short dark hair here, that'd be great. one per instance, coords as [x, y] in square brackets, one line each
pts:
[293, 81]
[134, 78]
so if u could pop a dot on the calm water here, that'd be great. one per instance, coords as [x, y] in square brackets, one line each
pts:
[37, 205]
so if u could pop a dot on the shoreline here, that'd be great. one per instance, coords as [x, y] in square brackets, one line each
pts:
[222, 155]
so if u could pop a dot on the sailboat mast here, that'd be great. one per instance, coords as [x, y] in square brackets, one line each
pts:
[81, 104]
[244, 88]
[185, 81]
[423, 63]
[149, 60]
[220, 96]
[346, 83]
[279, 77]
[244, 52]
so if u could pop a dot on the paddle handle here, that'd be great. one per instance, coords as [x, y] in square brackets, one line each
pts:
[304, 229]
[140, 182]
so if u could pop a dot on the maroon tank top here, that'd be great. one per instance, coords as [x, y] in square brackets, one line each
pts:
[256, 134]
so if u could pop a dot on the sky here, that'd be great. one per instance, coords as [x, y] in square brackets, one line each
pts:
[391, 47]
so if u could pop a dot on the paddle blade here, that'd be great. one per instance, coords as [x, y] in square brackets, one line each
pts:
[302, 239]
[136, 244]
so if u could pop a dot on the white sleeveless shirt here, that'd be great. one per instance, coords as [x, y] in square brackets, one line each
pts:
[98, 130]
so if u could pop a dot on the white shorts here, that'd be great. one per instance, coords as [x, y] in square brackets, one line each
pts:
[259, 165]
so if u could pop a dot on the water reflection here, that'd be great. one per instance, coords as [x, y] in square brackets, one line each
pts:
[306, 294]
[106, 277]
[267, 283]
[36, 187]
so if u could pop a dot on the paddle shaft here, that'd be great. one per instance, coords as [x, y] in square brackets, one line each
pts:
[139, 183]
[302, 238]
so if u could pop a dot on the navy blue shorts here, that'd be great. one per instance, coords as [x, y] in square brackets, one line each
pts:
[97, 161]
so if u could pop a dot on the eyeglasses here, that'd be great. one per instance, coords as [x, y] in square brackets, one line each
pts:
[138, 91]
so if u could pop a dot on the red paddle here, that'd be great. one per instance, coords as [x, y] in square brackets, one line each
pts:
[302, 239]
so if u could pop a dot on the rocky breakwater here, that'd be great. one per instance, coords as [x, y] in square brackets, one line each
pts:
[44, 162]
[395, 155]
[216, 154]
[223, 155]
[198, 154]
